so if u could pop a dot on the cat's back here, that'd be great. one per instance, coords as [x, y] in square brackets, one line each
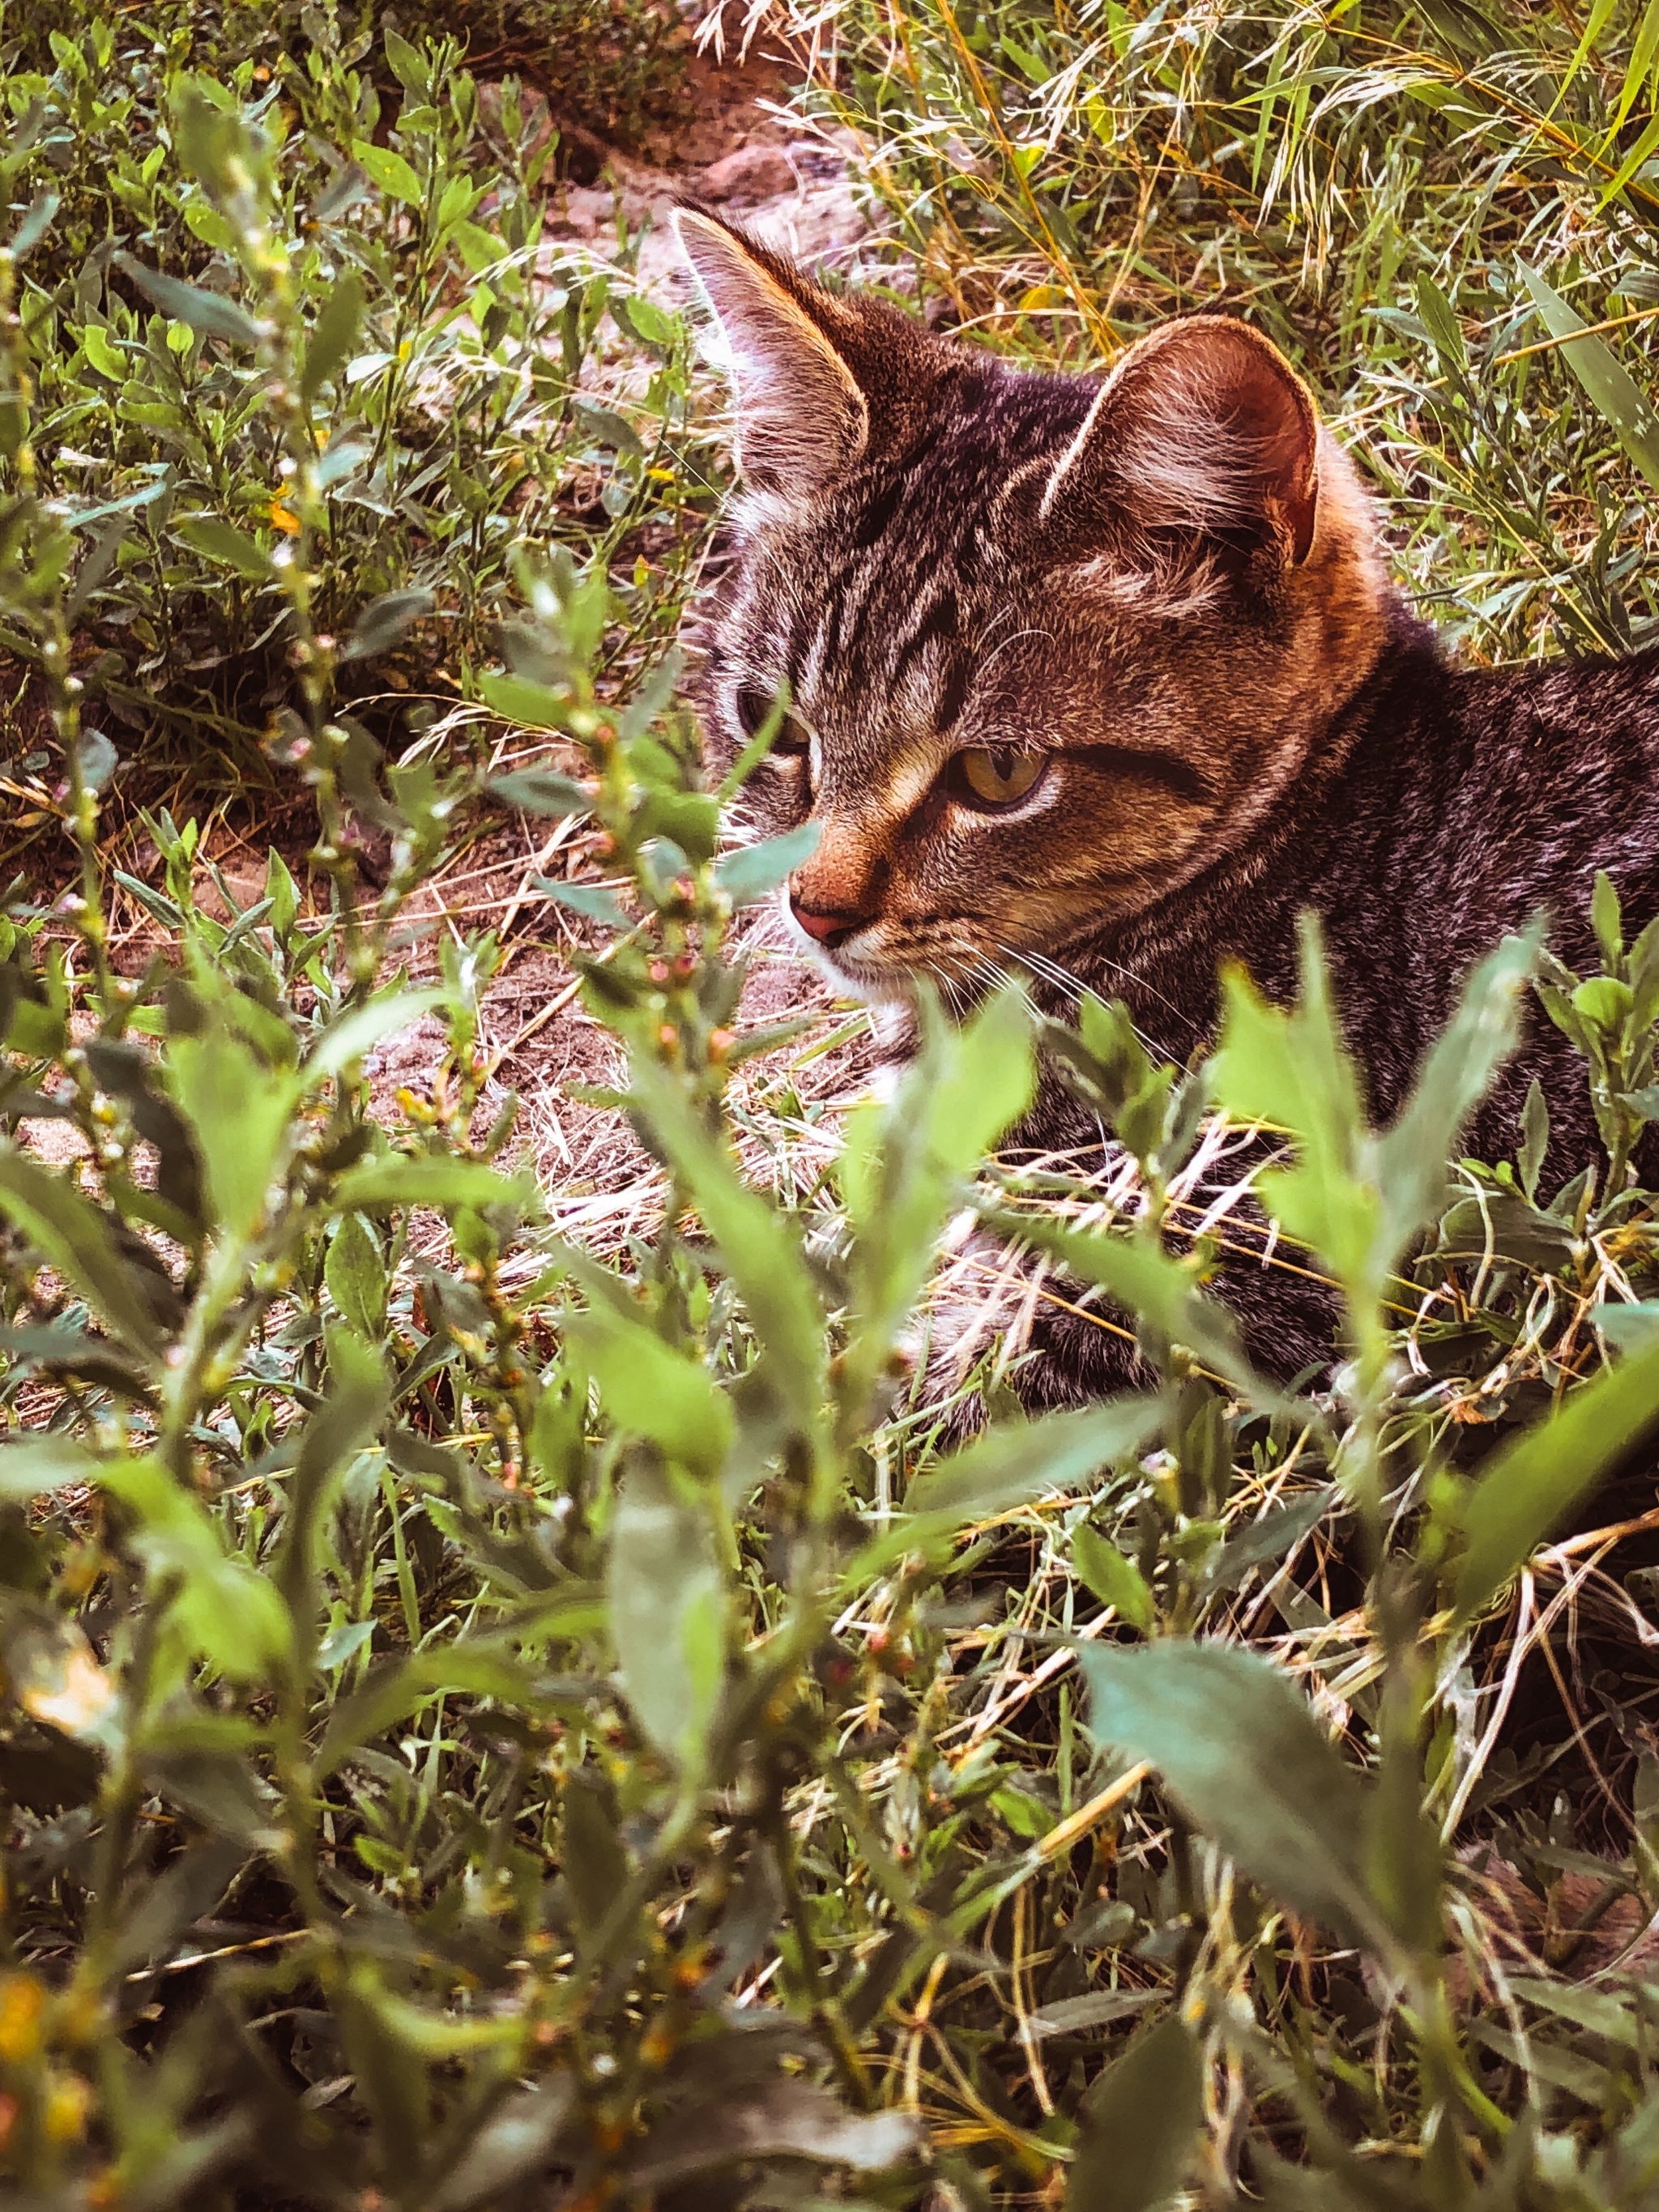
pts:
[1498, 792]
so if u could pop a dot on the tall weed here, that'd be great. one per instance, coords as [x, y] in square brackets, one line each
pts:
[481, 1725]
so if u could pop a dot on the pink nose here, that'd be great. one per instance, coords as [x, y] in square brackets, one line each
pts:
[831, 928]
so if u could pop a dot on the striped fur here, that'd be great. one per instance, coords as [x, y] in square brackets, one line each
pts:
[1168, 585]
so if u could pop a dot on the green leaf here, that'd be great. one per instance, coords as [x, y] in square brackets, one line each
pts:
[1140, 2124]
[37, 1032]
[1020, 1812]
[590, 1850]
[903, 1164]
[346, 1041]
[606, 428]
[1239, 1748]
[1534, 1140]
[75, 1238]
[1153, 1286]
[220, 541]
[1638, 156]
[651, 1390]
[408, 66]
[1608, 384]
[384, 620]
[232, 1615]
[1628, 1328]
[1441, 320]
[644, 319]
[533, 707]
[478, 247]
[389, 171]
[209, 312]
[780, 2119]
[355, 1276]
[219, 1788]
[35, 222]
[53, 1673]
[749, 874]
[1530, 1487]
[1604, 1002]
[1114, 1580]
[759, 1246]
[1642, 50]
[513, 2144]
[1600, 15]
[460, 197]
[398, 1686]
[667, 1601]
[1292, 1070]
[34, 1465]
[1265, 1540]
[1067, 2015]
[592, 900]
[345, 1423]
[1455, 1078]
[103, 353]
[1027, 1460]
[1464, 25]
[238, 1109]
[429, 1179]
[1601, 2011]
[1607, 921]
[541, 791]
[333, 337]
[344, 1642]
[97, 759]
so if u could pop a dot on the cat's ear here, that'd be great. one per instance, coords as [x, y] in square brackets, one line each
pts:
[1202, 432]
[801, 417]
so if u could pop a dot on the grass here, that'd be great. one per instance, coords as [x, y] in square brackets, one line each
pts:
[508, 1697]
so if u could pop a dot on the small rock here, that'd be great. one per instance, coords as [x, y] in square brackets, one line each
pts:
[752, 172]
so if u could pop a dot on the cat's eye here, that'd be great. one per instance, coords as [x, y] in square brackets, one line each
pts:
[990, 776]
[755, 705]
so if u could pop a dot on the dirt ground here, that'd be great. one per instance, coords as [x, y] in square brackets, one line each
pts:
[742, 151]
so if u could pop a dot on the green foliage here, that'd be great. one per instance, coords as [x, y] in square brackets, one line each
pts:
[1445, 214]
[485, 1725]
[437, 360]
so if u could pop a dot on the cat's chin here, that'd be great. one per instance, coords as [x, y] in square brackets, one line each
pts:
[875, 987]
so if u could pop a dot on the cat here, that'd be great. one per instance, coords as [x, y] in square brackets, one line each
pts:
[1104, 680]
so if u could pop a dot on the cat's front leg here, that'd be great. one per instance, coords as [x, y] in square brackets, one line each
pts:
[1001, 1315]
[1005, 1315]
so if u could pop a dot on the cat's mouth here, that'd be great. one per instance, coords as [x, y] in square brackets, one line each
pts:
[867, 964]
[863, 974]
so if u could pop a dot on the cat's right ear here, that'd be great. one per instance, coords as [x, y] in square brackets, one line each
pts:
[1203, 433]
[801, 417]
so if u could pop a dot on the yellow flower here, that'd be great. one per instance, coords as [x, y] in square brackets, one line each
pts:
[283, 518]
[22, 1999]
[68, 2100]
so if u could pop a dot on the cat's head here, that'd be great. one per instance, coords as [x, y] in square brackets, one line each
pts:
[1050, 645]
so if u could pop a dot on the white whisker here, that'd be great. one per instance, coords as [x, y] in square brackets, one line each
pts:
[979, 673]
[1050, 971]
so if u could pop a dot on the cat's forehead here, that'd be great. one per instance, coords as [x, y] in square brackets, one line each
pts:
[909, 573]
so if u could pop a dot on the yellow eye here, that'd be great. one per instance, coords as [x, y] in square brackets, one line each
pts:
[997, 775]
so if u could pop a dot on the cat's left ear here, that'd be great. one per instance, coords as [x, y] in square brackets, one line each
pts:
[802, 418]
[1203, 431]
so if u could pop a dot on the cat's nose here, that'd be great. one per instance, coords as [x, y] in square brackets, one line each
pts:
[831, 928]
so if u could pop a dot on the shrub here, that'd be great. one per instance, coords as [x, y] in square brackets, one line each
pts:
[440, 351]
[483, 1726]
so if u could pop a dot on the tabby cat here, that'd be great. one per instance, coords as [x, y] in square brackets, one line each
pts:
[1104, 679]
